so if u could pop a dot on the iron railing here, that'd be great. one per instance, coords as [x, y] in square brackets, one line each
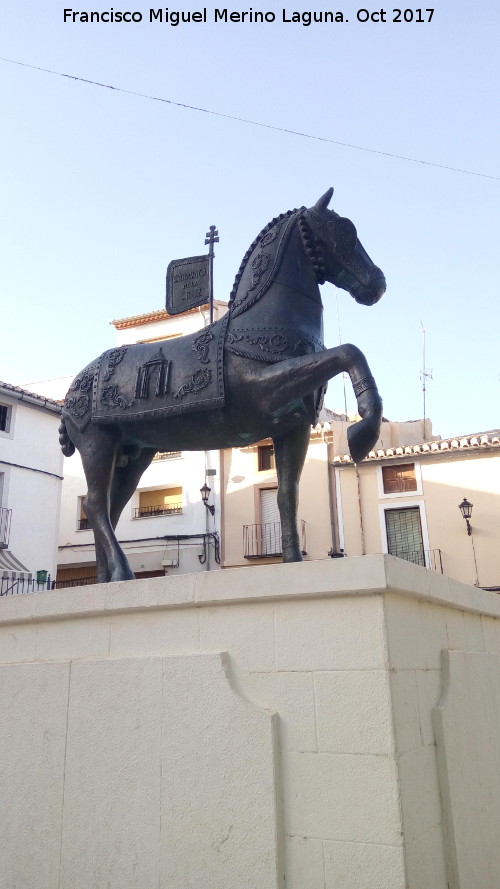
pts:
[5, 517]
[143, 512]
[15, 585]
[73, 581]
[166, 455]
[84, 524]
[427, 558]
[23, 585]
[264, 541]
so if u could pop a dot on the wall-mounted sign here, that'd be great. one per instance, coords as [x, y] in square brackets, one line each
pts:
[188, 284]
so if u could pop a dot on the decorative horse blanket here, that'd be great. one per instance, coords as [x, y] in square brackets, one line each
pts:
[145, 381]
[138, 383]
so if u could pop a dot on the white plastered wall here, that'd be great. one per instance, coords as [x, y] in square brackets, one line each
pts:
[351, 792]
[31, 464]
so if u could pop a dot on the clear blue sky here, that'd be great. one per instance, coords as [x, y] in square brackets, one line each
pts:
[101, 189]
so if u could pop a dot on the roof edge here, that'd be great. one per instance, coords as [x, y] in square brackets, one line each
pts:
[458, 444]
[30, 397]
[157, 315]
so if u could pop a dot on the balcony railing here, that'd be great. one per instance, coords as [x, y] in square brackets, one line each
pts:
[73, 581]
[427, 558]
[18, 585]
[166, 455]
[84, 524]
[264, 541]
[144, 512]
[5, 517]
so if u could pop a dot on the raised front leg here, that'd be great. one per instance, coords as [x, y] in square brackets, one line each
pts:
[280, 384]
[363, 435]
[290, 453]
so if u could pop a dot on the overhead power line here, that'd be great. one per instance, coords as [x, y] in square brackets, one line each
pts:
[254, 123]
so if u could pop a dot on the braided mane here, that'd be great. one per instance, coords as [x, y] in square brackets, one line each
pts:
[253, 245]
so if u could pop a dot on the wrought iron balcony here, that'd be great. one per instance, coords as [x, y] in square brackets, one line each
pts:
[84, 524]
[73, 581]
[167, 455]
[143, 512]
[264, 541]
[5, 517]
[427, 558]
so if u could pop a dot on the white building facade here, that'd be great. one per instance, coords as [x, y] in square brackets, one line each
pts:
[30, 485]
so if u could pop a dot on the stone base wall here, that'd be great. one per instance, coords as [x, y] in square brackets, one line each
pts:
[326, 725]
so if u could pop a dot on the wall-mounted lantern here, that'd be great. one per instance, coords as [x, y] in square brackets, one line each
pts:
[466, 509]
[205, 492]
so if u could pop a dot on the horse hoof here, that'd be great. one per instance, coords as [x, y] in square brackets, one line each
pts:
[362, 437]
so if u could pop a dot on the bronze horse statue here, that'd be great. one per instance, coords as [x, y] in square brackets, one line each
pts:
[259, 372]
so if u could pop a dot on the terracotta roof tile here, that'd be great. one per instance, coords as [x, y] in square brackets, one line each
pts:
[32, 397]
[156, 315]
[479, 440]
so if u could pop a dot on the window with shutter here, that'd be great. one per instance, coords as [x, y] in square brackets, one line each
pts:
[266, 458]
[270, 522]
[404, 534]
[399, 479]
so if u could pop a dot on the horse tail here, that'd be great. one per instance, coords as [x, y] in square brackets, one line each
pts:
[67, 446]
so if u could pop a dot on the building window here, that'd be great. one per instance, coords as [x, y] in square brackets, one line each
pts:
[266, 458]
[83, 523]
[162, 501]
[5, 414]
[269, 511]
[264, 540]
[76, 576]
[399, 479]
[404, 534]
[270, 528]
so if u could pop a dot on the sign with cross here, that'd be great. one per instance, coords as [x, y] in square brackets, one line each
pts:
[190, 280]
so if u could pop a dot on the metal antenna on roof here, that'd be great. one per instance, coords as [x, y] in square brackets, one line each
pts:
[425, 374]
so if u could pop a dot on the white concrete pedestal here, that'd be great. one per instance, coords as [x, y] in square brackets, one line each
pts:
[332, 725]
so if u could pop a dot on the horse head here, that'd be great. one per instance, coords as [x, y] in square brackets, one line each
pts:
[337, 255]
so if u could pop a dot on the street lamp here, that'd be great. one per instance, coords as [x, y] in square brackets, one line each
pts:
[205, 492]
[466, 509]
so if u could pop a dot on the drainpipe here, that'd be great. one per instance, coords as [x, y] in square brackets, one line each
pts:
[332, 498]
[476, 578]
[361, 529]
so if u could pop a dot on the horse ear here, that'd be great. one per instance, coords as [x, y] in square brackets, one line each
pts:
[323, 202]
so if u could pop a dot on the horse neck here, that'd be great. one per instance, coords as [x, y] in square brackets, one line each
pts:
[293, 299]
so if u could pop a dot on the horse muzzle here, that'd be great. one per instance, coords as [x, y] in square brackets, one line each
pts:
[370, 294]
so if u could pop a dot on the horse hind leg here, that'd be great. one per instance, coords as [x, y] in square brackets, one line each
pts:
[102, 572]
[125, 481]
[98, 451]
[290, 453]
